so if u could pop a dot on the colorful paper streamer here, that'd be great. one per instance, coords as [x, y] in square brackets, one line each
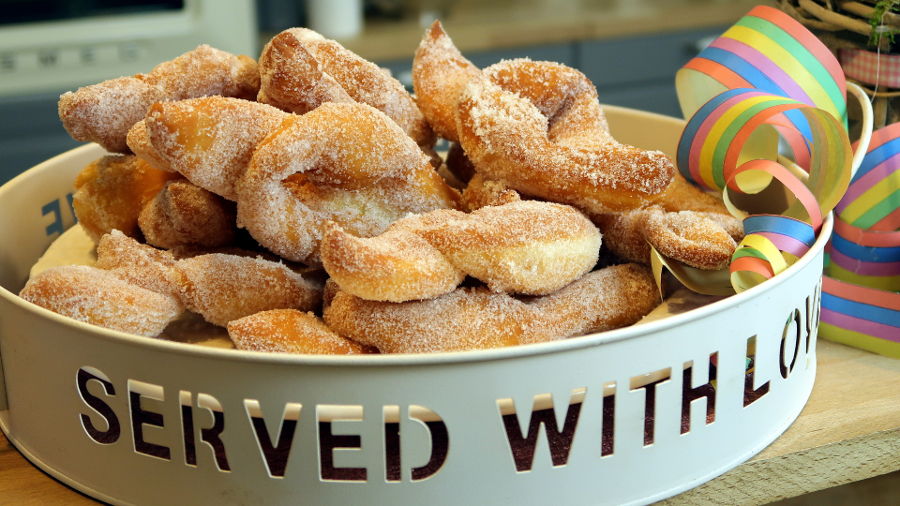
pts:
[766, 79]
[860, 299]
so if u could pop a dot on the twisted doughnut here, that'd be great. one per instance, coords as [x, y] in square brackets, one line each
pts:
[475, 318]
[526, 247]
[537, 127]
[290, 331]
[300, 70]
[684, 224]
[101, 298]
[208, 140]
[139, 264]
[104, 112]
[343, 162]
[223, 287]
[440, 73]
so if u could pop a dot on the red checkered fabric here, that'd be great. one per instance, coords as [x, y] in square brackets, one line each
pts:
[864, 67]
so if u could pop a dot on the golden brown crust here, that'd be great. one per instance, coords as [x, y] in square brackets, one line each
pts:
[301, 70]
[475, 318]
[689, 237]
[111, 191]
[185, 214]
[223, 287]
[290, 331]
[343, 162]
[105, 112]
[697, 239]
[100, 297]
[138, 141]
[537, 127]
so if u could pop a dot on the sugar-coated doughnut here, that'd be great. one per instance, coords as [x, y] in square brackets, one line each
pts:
[110, 193]
[223, 287]
[343, 162]
[208, 140]
[300, 70]
[290, 331]
[139, 264]
[684, 224]
[182, 213]
[100, 297]
[104, 112]
[525, 247]
[537, 127]
[475, 318]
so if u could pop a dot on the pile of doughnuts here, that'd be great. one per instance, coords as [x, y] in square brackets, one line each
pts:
[298, 202]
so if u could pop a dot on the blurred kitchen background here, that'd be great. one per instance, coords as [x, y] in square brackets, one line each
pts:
[629, 48]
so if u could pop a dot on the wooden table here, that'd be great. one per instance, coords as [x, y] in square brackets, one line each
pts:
[849, 431]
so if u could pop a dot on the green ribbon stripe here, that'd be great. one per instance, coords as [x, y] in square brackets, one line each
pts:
[877, 212]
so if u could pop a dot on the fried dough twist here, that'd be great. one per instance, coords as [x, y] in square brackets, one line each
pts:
[290, 331]
[535, 126]
[475, 318]
[525, 247]
[104, 112]
[348, 163]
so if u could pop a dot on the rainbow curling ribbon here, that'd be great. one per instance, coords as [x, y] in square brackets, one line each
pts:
[766, 102]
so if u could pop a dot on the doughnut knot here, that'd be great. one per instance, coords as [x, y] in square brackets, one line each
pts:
[476, 318]
[509, 139]
[345, 162]
[290, 331]
[104, 112]
[683, 223]
[525, 247]
[102, 298]
[536, 127]
[208, 140]
[440, 73]
[300, 70]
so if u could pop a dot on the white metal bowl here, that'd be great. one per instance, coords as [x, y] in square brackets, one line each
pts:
[127, 419]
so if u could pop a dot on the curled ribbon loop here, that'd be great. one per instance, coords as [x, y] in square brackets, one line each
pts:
[860, 299]
[766, 91]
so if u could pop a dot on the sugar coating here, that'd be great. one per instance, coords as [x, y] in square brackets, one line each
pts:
[139, 264]
[210, 140]
[526, 247]
[102, 298]
[440, 72]
[475, 318]
[111, 191]
[537, 127]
